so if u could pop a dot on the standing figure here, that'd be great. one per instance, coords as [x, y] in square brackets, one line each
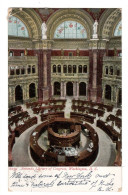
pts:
[95, 25]
[44, 30]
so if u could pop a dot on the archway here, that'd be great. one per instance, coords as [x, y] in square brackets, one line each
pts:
[56, 88]
[32, 91]
[82, 89]
[18, 93]
[108, 92]
[69, 89]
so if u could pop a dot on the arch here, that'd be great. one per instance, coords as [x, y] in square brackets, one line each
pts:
[85, 69]
[16, 27]
[17, 70]
[18, 93]
[111, 70]
[69, 89]
[56, 88]
[22, 70]
[33, 69]
[74, 68]
[31, 20]
[65, 68]
[29, 69]
[106, 69]
[59, 68]
[108, 21]
[118, 29]
[80, 69]
[69, 69]
[108, 92]
[32, 90]
[82, 89]
[62, 15]
[12, 71]
[54, 68]
[70, 30]
[118, 72]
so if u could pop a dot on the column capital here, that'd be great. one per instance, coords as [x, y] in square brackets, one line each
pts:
[98, 43]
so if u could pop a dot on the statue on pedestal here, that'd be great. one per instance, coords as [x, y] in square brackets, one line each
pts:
[25, 52]
[62, 52]
[77, 52]
[44, 30]
[95, 25]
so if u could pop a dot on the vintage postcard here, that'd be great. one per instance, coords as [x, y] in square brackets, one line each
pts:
[65, 99]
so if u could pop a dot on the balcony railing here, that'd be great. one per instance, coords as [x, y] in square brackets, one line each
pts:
[22, 58]
[112, 58]
[70, 58]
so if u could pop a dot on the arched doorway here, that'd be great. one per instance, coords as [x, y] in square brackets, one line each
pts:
[82, 89]
[18, 93]
[56, 88]
[108, 92]
[69, 89]
[32, 91]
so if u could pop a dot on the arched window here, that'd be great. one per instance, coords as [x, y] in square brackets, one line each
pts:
[32, 90]
[74, 68]
[69, 69]
[65, 68]
[22, 70]
[56, 88]
[118, 72]
[59, 68]
[80, 69]
[17, 70]
[54, 68]
[118, 29]
[33, 69]
[29, 69]
[11, 70]
[70, 30]
[18, 93]
[108, 92]
[85, 69]
[11, 53]
[16, 27]
[111, 70]
[106, 69]
[82, 89]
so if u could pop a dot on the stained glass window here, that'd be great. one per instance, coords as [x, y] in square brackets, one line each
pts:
[70, 30]
[118, 30]
[16, 27]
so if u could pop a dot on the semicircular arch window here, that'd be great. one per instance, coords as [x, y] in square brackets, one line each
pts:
[16, 27]
[70, 30]
[118, 29]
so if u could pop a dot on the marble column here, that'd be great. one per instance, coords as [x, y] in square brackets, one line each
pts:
[52, 90]
[45, 68]
[77, 89]
[62, 89]
[74, 89]
[94, 81]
